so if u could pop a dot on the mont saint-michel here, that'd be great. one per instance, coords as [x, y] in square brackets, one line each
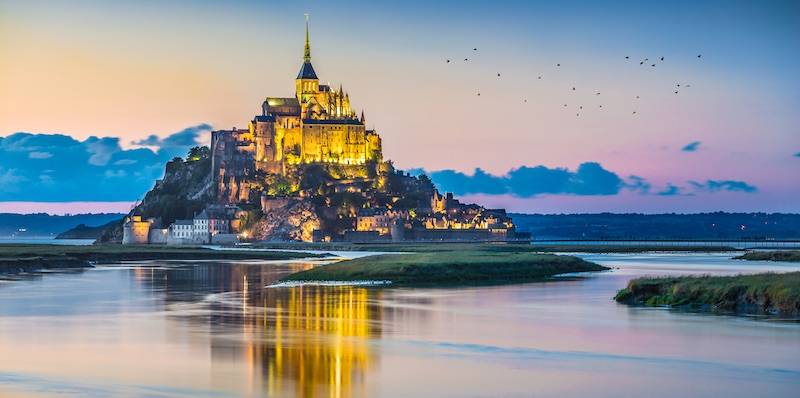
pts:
[306, 168]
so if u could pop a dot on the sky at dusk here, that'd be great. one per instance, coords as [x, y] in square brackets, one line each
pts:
[96, 96]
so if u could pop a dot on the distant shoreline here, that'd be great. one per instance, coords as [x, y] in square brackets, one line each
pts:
[451, 246]
[782, 255]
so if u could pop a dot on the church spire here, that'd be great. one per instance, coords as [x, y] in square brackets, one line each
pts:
[306, 70]
[307, 51]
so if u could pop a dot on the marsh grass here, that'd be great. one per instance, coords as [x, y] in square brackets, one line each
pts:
[22, 258]
[776, 255]
[768, 293]
[496, 265]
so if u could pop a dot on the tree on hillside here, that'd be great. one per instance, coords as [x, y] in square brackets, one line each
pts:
[198, 153]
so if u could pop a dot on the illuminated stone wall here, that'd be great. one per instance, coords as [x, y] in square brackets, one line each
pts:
[136, 231]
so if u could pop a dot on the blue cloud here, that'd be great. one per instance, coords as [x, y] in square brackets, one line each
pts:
[723, 185]
[670, 190]
[691, 147]
[590, 178]
[638, 184]
[56, 167]
[182, 139]
[797, 155]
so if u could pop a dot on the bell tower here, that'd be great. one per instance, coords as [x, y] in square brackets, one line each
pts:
[307, 83]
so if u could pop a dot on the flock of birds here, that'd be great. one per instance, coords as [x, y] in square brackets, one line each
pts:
[642, 62]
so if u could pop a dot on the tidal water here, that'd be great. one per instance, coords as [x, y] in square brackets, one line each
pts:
[213, 329]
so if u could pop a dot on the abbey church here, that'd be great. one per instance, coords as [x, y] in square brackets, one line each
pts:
[316, 125]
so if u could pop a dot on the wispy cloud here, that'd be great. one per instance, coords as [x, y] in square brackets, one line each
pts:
[722, 185]
[691, 147]
[187, 137]
[40, 155]
[670, 190]
[638, 184]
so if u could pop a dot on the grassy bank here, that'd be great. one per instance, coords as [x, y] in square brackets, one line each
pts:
[768, 293]
[466, 267]
[777, 255]
[26, 258]
[495, 247]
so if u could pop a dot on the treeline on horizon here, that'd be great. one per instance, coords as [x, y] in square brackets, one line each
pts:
[43, 224]
[668, 226]
[718, 225]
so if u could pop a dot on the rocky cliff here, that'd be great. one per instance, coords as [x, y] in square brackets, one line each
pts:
[294, 221]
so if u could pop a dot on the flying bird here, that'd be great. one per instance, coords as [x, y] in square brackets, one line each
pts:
[627, 57]
[498, 75]
[662, 58]
[699, 55]
[558, 64]
[637, 97]
[540, 78]
[466, 59]
[653, 65]
[634, 112]
[474, 49]
[601, 106]
[598, 93]
[573, 89]
[676, 91]
[448, 61]
[641, 63]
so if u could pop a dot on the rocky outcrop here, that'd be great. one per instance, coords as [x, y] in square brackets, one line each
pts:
[296, 220]
[83, 231]
[183, 192]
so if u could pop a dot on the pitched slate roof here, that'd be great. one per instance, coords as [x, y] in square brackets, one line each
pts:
[307, 71]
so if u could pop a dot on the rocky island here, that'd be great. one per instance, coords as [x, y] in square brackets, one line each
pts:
[306, 168]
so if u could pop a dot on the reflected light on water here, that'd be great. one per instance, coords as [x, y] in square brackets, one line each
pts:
[213, 329]
[306, 342]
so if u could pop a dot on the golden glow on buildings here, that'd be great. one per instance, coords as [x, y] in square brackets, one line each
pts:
[317, 125]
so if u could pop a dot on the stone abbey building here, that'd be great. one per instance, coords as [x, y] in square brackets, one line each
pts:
[316, 125]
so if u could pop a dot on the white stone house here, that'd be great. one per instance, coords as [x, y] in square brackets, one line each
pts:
[181, 232]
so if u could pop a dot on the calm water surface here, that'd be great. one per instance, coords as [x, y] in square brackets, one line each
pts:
[212, 329]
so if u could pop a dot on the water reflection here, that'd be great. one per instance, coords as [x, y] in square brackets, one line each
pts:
[306, 342]
[212, 329]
